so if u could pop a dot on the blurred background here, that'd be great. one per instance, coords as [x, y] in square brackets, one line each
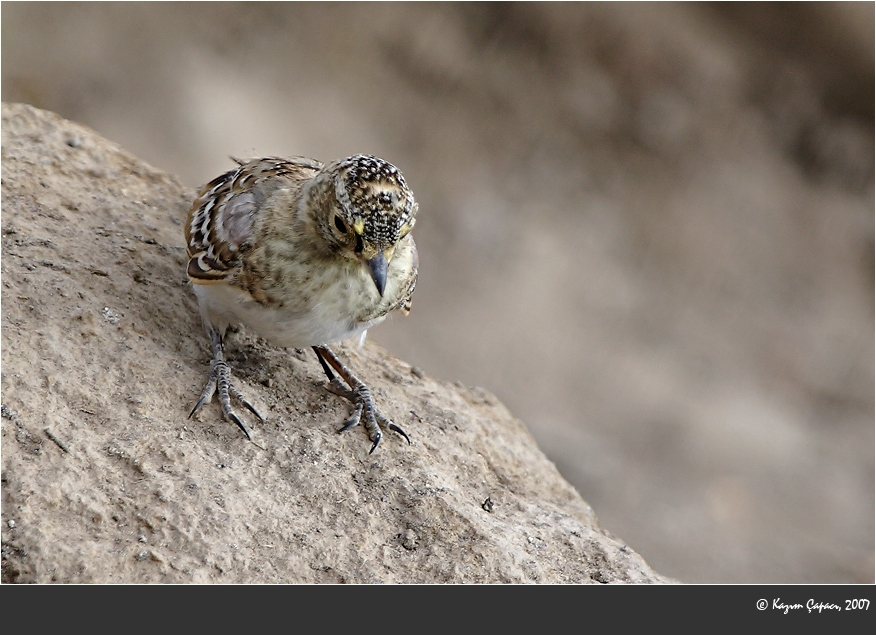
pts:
[648, 228]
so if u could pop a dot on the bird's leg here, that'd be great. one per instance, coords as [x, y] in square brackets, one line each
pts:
[220, 379]
[358, 394]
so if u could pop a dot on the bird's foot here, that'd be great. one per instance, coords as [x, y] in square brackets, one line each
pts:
[365, 412]
[359, 395]
[220, 381]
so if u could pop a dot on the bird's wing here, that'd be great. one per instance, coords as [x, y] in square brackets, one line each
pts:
[221, 219]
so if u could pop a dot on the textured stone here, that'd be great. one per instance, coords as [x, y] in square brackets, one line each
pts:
[106, 480]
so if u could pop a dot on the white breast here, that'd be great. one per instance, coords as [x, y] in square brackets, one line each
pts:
[321, 323]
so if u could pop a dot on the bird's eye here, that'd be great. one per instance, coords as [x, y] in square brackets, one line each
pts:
[340, 224]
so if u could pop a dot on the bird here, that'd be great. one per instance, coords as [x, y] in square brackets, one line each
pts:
[304, 254]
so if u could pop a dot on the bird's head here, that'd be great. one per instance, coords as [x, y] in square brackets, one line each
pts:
[367, 209]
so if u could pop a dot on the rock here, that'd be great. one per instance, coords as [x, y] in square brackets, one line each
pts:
[106, 480]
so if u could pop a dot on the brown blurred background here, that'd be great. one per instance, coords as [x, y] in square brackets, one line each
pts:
[647, 228]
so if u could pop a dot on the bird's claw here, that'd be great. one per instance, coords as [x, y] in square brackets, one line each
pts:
[373, 418]
[395, 428]
[220, 381]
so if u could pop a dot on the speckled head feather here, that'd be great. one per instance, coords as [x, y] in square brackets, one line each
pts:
[374, 197]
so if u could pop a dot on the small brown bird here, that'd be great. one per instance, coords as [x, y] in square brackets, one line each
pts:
[303, 254]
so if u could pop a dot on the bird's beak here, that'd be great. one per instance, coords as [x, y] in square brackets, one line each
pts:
[378, 266]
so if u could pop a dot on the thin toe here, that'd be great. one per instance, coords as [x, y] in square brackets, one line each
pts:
[354, 418]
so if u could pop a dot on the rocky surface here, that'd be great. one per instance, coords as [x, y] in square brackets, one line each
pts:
[647, 228]
[104, 479]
